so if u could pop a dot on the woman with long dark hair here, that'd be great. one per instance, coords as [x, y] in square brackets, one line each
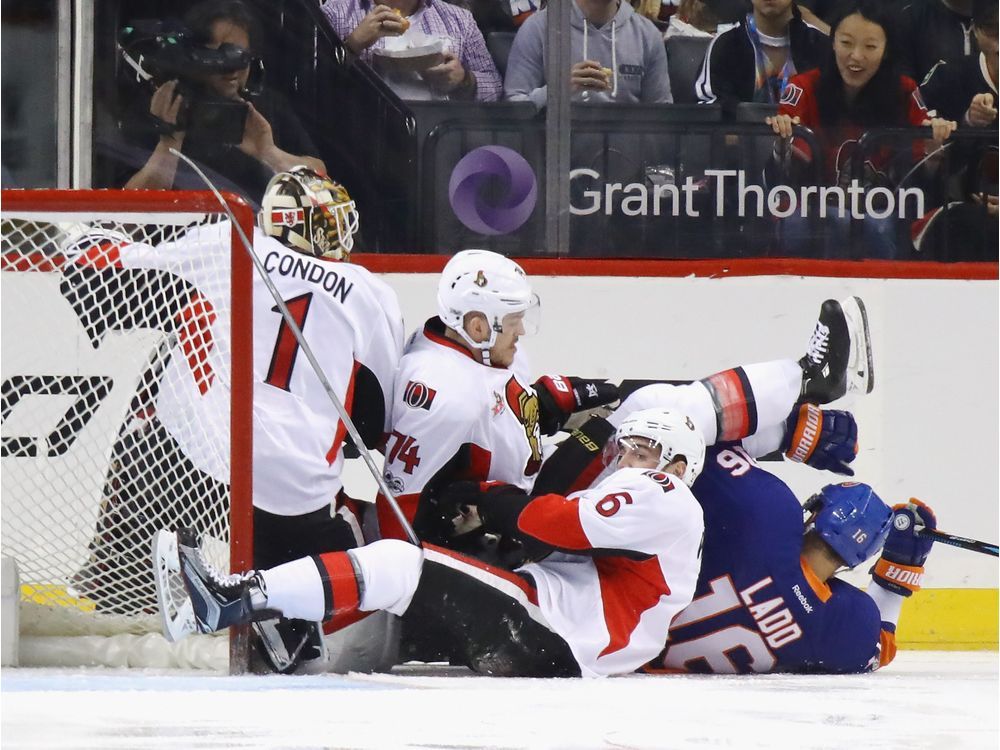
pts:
[858, 88]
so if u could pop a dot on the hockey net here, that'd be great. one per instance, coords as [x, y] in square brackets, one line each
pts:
[126, 407]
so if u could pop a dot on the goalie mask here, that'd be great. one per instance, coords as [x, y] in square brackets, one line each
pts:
[311, 213]
[851, 519]
[673, 434]
[481, 281]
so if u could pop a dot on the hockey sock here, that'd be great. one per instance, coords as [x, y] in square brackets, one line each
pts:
[296, 589]
[890, 604]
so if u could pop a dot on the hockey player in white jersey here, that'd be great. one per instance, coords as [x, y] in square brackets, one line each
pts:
[620, 561]
[464, 406]
[353, 322]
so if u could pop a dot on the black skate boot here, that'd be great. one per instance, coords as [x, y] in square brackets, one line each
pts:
[219, 600]
[838, 358]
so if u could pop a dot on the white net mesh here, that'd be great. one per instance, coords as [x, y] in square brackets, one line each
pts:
[116, 391]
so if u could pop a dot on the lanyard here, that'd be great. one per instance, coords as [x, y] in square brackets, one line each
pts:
[787, 70]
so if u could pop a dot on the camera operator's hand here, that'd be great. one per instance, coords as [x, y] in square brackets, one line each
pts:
[381, 21]
[165, 106]
[447, 75]
[258, 138]
[258, 142]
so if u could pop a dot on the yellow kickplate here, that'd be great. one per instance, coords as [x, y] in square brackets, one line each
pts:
[949, 620]
[54, 596]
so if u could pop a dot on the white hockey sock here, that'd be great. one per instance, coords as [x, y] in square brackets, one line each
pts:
[890, 604]
[776, 386]
[295, 589]
[390, 570]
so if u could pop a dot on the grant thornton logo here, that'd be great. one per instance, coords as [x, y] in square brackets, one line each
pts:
[517, 190]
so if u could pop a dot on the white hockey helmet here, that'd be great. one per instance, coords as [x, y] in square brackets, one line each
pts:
[309, 212]
[485, 282]
[82, 237]
[673, 433]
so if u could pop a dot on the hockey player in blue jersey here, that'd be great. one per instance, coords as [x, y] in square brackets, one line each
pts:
[767, 599]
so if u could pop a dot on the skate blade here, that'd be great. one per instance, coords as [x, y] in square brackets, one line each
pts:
[176, 611]
[860, 365]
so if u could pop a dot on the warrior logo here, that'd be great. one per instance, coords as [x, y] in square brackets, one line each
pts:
[524, 405]
[416, 395]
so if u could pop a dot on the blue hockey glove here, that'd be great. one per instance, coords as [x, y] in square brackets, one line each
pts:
[824, 439]
[901, 567]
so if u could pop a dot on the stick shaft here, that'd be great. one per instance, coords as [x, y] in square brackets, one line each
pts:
[959, 541]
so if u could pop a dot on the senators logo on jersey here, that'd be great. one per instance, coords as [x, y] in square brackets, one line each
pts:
[524, 406]
[416, 395]
[791, 95]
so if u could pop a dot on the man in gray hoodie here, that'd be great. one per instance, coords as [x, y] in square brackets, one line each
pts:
[619, 53]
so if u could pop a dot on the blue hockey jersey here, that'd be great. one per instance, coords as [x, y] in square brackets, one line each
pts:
[757, 606]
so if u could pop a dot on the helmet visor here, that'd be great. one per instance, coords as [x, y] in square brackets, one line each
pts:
[524, 322]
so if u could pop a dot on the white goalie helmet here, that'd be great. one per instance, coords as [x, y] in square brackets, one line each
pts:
[309, 212]
[674, 434]
[485, 282]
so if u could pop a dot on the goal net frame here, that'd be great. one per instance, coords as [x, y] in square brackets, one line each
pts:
[149, 208]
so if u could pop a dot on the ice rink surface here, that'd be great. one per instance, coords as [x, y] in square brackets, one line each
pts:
[923, 700]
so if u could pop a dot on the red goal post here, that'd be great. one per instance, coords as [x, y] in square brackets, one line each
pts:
[127, 388]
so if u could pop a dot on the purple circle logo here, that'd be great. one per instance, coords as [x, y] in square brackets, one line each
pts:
[515, 181]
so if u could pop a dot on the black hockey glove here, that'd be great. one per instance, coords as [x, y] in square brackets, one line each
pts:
[559, 397]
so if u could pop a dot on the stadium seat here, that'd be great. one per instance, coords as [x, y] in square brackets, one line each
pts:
[685, 55]
[498, 43]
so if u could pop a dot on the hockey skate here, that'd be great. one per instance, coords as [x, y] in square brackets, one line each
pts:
[214, 600]
[838, 359]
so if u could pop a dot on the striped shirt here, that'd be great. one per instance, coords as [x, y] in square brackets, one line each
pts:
[437, 18]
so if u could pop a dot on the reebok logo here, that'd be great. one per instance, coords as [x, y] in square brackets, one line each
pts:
[802, 599]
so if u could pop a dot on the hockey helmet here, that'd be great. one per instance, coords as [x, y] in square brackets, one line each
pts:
[851, 519]
[673, 433]
[309, 212]
[485, 282]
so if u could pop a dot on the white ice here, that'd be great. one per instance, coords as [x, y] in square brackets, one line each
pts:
[923, 700]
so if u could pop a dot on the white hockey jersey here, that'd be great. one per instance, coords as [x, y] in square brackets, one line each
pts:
[614, 607]
[446, 402]
[352, 321]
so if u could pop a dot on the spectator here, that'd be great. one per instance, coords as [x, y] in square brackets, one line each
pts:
[502, 15]
[248, 165]
[966, 89]
[935, 30]
[964, 225]
[857, 88]
[693, 18]
[620, 56]
[466, 72]
[754, 61]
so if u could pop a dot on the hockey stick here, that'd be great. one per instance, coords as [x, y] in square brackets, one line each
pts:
[959, 541]
[313, 362]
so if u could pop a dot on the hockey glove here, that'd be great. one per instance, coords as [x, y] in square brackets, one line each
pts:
[824, 439]
[559, 397]
[901, 567]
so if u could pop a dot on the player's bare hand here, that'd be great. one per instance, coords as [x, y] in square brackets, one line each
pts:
[982, 111]
[381, 21]
[590, 75]
[941, 129]
[782, 124]
[467, 520]
[445, 76]
[166, 105]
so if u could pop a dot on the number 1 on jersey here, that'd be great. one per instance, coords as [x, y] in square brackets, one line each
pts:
[279, 373]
